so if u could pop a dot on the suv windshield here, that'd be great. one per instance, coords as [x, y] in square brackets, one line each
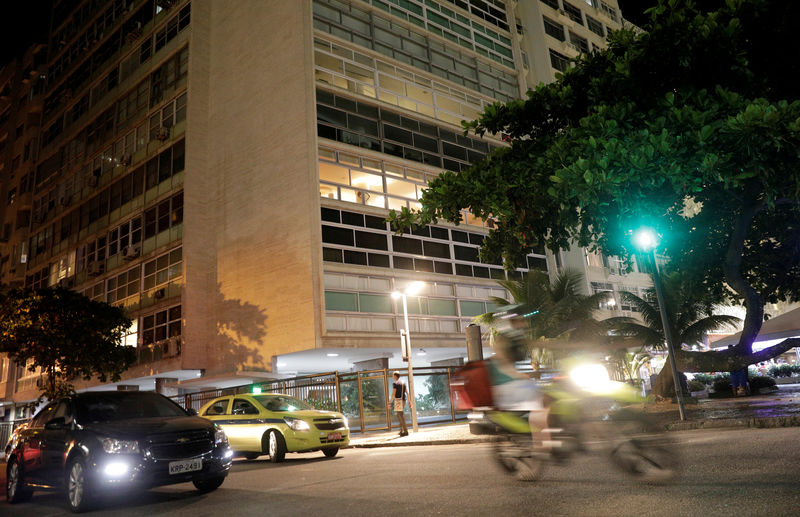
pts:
[104, 407]
[282, 403]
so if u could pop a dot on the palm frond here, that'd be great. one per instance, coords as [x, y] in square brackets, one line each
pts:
[695, 332]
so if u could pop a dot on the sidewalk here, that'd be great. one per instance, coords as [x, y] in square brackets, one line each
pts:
[778, 409]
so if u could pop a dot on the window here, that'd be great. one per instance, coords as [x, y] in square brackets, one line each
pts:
[123, 285]
[595, 26]
[609, 11]
[219, 407]
[165, 215]
[470, 308]
[554, 29]
[581, 43]
[163, 269]
[551, 3]
[126, 234]
[335, 301]
[574, 13]
[604, 287]
[559, 61]
[161, 325]
[243, 407]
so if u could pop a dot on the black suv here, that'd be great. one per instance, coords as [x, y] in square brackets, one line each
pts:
[95, 442]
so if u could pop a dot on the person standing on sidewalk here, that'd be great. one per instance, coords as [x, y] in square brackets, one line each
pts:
[398, 404]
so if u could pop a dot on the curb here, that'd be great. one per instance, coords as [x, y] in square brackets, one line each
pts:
[740, 423]
[458, 441]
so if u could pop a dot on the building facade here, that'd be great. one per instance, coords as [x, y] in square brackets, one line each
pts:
[223, 170]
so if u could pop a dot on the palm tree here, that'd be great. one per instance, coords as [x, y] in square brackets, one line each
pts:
[629, 363]
[558, 312]
[690, 321]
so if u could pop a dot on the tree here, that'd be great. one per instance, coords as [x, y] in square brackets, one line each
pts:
[690, 321]
[690, 127]
[557, 312]
[629, 363]
[65, 334]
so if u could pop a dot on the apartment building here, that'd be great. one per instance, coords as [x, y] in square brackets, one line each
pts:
[223, 169]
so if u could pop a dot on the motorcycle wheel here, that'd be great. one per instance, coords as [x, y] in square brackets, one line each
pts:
[648, 457]
[516, 456]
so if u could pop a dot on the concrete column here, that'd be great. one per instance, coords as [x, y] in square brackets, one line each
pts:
[474, 345]
[161, 387]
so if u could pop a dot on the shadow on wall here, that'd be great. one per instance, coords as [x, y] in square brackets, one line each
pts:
[240, 330]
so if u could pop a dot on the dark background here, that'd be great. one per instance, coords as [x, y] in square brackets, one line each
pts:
[22, 23]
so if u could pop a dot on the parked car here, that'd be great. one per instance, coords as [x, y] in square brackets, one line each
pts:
[105, 441]
[275, 424]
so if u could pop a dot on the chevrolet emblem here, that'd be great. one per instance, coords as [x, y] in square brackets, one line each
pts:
[182, 440]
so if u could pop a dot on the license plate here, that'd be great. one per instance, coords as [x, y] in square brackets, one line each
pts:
[334, 436]
[180, 467]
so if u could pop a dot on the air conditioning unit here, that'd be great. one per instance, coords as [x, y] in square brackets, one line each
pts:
[159, 293]
[96, 267]
[66, 283]
[92, 181]
[573, 46]
[131, 252]
[125, 160]
[163, 133]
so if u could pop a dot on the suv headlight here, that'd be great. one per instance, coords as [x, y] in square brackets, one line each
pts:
[219, 436]
[114, 446]
[296, 424]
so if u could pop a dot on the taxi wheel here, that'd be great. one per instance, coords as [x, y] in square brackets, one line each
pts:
[330, 453]
[276, 447]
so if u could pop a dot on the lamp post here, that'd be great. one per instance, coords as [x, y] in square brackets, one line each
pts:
[405, 341]
[646, 240]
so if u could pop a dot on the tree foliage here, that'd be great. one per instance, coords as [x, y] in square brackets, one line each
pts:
[556, 311]
[691, 127]
[65, 334]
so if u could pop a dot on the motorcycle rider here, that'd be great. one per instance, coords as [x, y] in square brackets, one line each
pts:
[511, 389]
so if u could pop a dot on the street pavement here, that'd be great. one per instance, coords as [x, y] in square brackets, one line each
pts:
[732, 472]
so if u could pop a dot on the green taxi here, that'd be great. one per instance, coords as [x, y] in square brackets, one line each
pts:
[275, 424]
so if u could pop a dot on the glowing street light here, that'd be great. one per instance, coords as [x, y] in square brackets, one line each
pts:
[646, 240]
[405, 345]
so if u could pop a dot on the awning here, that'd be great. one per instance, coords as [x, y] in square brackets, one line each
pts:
[780, 327]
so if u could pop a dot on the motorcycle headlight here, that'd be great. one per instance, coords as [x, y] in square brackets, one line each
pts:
[219, 436]
[589, 376]
[114, 446]
[296, 424]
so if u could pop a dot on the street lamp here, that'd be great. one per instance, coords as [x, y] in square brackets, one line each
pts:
[646, 240]
[412, 289]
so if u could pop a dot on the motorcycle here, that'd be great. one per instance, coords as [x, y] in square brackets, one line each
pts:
[586, 414]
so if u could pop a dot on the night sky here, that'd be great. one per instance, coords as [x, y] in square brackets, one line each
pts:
[22, 23]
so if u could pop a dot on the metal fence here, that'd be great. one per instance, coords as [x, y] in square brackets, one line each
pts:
[363, 397]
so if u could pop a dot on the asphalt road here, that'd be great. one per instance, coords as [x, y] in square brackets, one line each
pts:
[751, 472]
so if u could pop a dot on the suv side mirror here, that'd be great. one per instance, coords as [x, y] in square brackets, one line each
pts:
[192, 411]
[56, 424]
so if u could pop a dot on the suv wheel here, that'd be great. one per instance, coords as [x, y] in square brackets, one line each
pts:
[207, 485]
[16, 492]
[78, 492]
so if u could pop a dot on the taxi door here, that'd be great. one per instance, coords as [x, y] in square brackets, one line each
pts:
[244, 426]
